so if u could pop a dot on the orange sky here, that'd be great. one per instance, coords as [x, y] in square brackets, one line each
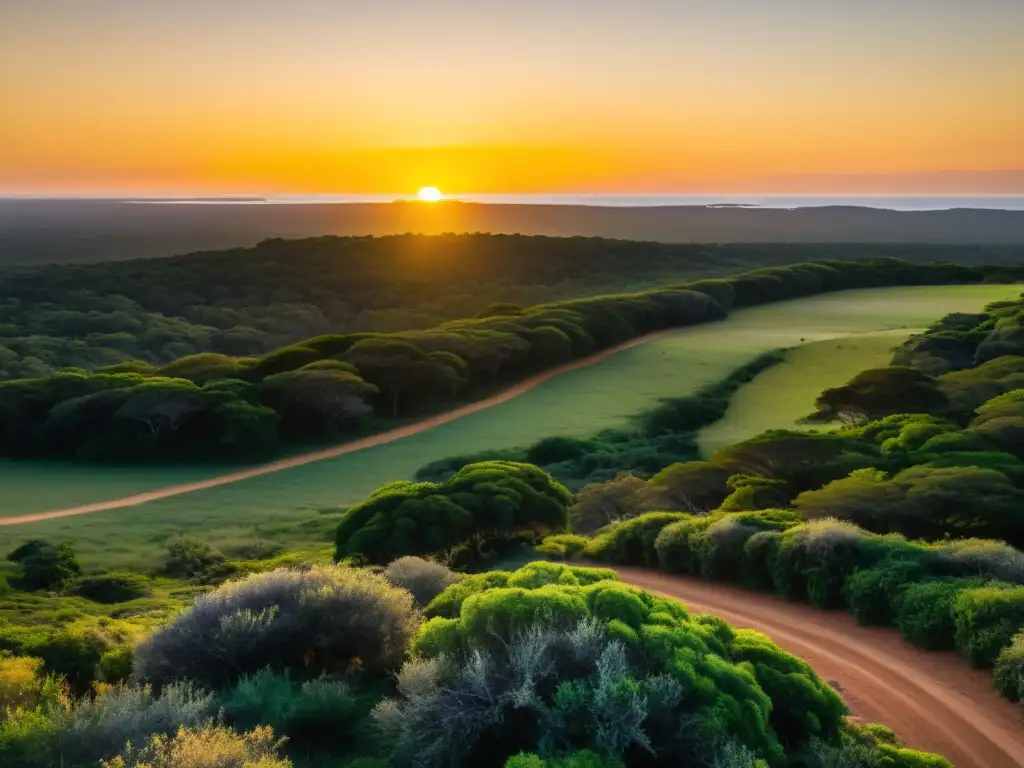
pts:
[267, 96]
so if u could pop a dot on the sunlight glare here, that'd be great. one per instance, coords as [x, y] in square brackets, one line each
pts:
[430, 195]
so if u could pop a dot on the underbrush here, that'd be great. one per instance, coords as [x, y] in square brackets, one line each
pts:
[656, 438]
[967, 595]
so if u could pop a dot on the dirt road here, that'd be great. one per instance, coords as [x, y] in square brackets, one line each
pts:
[934, 701]
[329, 453]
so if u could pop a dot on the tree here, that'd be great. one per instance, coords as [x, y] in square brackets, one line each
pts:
[880, 392]
[482, 504]
[397, 367]
[327, 398]
[44, 565]
[924, 502]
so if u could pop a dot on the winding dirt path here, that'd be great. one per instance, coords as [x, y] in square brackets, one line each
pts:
[934, 701]
[339, 450]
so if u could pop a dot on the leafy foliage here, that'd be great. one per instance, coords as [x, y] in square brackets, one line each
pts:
[555, 659]
[324, 619]
[482, 505]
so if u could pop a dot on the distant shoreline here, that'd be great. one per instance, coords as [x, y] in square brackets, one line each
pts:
[905, 202]
[49, 231]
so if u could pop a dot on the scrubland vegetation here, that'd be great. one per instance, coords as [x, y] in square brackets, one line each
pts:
[398, 646]
[546, 665]
[218, 406]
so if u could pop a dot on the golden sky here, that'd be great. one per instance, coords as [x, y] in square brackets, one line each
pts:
[628, 96]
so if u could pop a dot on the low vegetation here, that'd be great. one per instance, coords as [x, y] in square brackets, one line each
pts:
[545, 665]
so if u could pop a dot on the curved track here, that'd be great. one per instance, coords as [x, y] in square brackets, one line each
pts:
[934, 701]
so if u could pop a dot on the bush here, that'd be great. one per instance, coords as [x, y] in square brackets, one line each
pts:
[212, 746]
[759, 555]
[325, 619]
[677, 545]
[573, 660]
[814, 559]
[564, 546]
[74, 653]
[632, 542]
[423, 579]
[600, 504]
[189, 558]
[983, 557]
[112, 588]
[925, 613]
[45, 565]
[316, 713]
[874, 593]
[987, 619]
[100, 727]
[115, 666]
[1008, 673]
[482, 504]
[21, 683]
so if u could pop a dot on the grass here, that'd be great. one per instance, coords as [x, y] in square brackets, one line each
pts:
[286, 506]
[782, 395]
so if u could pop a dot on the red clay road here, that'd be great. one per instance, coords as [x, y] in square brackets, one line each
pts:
[934, 701]
[329, 453]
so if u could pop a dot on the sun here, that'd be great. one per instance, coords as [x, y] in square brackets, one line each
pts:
[430, 195]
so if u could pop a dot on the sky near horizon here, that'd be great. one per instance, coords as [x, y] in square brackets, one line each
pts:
[544, 96]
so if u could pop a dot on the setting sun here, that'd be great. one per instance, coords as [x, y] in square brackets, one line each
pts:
[430, 195]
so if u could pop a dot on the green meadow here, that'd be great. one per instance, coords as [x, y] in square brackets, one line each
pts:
[287, 506]
[781, 396]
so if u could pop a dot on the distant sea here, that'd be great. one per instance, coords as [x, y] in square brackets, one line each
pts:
[892, 202]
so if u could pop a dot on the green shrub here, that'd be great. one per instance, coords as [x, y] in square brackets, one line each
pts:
[212, 746]
[189, 558]
[320, 620]
[1008, 673]
[482, 503]
[574, 660]
[111, 588]
[983, 557]
[317, 713]
[601, 504]
[924, 616]
[874, 593]
[115, 666]
[73, 653]
[678, 544]
[814, 559]
[564, 546]
[760, 552]
[98, 728]
[449, 603]
[423, 579]
[632, 542]
[986, 619]
[44, 565]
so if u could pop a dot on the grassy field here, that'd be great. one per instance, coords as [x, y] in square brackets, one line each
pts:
[779, 397]
[285, 506]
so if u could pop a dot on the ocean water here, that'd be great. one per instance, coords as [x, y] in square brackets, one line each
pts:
[892, 202]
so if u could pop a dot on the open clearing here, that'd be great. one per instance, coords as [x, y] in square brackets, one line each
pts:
[780, 396]
[934, 701]
[579, 402]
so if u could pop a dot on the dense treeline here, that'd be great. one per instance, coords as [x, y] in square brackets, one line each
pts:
[329, 385]
[248, 301]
